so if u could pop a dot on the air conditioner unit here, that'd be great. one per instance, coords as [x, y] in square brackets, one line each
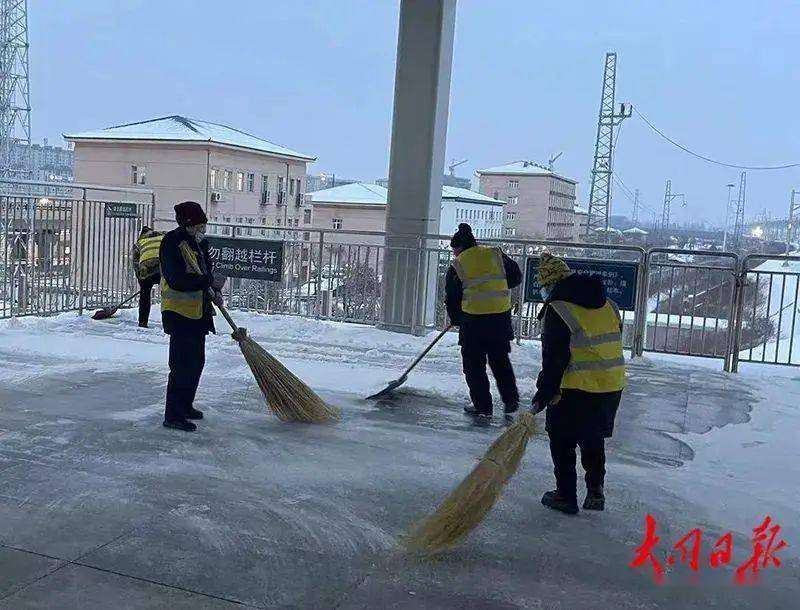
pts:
[216, 197]
[264, 197]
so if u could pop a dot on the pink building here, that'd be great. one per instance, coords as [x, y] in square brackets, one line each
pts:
[237, 177]
[539, 202]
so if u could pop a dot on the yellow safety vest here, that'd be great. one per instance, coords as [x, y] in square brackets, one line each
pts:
[187, 304]
[483, 278]
[148, 254]
[596, 360]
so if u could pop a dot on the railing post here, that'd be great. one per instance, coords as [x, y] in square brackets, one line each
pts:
[319, 273]
[417, 276]
[522, 286]
[640, 307]
[735, 318]
[82, 250]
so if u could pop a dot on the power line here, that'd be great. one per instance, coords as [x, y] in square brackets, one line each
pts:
[709, 159]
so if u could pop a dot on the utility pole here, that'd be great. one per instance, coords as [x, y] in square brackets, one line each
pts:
[727, 218]
[635, 214]
[600, 193]
[15, 104]
[666, 210]
[794, 221]
[738, 223]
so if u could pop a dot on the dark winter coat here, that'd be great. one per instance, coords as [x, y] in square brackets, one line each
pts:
[486, 329]
[173, 270]
[577, 411]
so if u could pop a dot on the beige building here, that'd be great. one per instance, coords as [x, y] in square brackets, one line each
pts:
[581, 222]
[362, 207]
[539, 202]
[238, 178]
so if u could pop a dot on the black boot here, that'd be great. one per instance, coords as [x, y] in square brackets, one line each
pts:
[554, 500]
[470, 410]
[193, 413]
[511, 407]
[595, 500]
[180, 424]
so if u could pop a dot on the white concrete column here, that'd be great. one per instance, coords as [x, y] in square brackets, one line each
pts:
[419, 130]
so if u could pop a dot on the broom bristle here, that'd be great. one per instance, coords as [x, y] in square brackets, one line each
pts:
[467, 505]
[289, 398]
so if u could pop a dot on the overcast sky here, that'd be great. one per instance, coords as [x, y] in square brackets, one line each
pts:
[720, 76]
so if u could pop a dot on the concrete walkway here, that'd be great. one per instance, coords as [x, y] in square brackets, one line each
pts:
[100, 507]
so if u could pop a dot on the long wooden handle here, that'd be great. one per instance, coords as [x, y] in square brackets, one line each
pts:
[427, 349]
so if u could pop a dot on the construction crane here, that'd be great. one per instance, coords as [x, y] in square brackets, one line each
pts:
[552, 160]
[454, 164]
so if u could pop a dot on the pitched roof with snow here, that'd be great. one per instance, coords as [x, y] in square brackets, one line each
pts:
[579, 210]
[635, 231]
[361, 193]
[356, 193]
[523, 168]
[458, 194]
[177, 128]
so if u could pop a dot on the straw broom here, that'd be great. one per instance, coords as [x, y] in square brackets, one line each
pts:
[467, 505]
[289, 398]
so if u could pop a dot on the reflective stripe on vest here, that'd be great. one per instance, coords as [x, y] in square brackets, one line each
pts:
[148, 255]
[188, 304]
[483, 278]
[596, 362]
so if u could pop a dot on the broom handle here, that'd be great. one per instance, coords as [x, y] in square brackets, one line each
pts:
[427, 349]
[211, 293]
[130, 298]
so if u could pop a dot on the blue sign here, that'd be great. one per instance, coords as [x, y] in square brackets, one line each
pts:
[618, 277]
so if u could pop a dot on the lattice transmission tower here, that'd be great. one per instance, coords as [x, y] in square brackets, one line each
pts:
[602, 170]
[738, 221]
[15, 104]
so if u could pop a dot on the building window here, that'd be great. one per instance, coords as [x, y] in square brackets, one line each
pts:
[138, 174]
[278, 221]
[239, 181]
[512, 199]
[213, 178]
[239, 220]
[264, 221]
[306, 236]
[511, 215]
[337, 223]
[264, 183]
[227, 177]
[307, 216]
[250, 220]
[513, 184]
[297, 222]
[251, 182]
[510, 231]
[291, 186]
[249, 230]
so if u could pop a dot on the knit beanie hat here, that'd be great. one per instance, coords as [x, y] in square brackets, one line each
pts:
[463, 238]
[189, 214]
[551, 270]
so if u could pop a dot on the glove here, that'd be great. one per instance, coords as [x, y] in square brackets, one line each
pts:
[218, 281]
[537, 407]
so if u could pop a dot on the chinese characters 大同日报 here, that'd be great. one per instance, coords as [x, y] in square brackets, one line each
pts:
[765, 543]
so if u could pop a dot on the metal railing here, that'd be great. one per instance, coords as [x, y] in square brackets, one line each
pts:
[68, 253]
[63, 249]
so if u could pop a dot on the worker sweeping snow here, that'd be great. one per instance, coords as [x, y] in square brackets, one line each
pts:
[186, 311]
[144, 256]
[478, 299]
[581, 381]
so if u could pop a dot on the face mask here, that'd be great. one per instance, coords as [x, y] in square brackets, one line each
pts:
[544, 292]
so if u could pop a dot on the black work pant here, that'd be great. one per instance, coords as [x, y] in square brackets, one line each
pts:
[593, 460]
[474, 358]
[145, 294]
[187, 356]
